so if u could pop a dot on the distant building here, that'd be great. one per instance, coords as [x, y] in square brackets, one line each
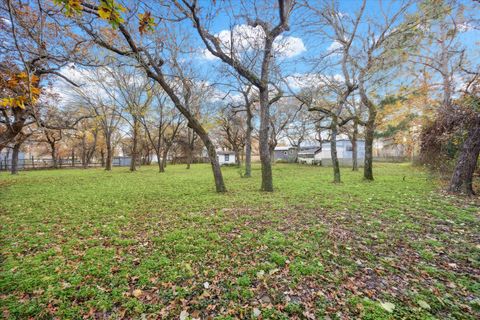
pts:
[388, 148]
[344, 153]
[285, 154]
[307, 155]
[226, 157]
[121, 161]
[6, 159]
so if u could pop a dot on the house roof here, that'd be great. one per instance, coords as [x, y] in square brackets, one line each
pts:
[284, 148]
[225, 152]
[310, 151]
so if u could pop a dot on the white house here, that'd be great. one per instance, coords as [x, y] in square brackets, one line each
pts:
[344, 152]
[307, 156]
[226, 157]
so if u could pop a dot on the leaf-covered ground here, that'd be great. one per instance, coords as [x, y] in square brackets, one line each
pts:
[90, 244]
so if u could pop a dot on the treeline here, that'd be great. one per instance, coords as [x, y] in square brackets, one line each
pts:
[161, 78]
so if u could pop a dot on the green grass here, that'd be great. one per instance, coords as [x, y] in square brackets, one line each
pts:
[92, 244]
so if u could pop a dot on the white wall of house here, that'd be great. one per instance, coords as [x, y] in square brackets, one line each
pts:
[344, 150]
[226, 158]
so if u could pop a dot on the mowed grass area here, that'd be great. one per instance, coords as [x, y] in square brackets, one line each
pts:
[79, 244]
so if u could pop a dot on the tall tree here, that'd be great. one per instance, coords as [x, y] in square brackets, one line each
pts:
[131, 44]
[230, 55]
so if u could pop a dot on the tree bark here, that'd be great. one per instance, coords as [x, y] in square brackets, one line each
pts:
[248, 144]
[462, 178]
[14, 164]
[53, 152]
[237, 157]
[189, 148]
[333, 152]
[354, 147]
[164, 159]
[369, 134]
[108, 142]
[265, 158]
[102, 157]
[133, 163]
[19, 119]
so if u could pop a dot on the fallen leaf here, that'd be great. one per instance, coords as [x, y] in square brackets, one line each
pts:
[388, 306]
[137, 293]
[424, 304]
[183, 315]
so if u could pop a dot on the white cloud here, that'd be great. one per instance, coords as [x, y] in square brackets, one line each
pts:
[243, 38]
[207, 55]
[289, 46]
[334, 47]
[6, 21]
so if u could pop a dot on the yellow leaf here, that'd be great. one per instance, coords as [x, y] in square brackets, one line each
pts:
[137, 293]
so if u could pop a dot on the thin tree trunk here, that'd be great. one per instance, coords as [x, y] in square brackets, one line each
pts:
[333, 152]
[84, 152]
[354, 147]
[102, 157]
[54, 155]
[369, 132]
[133, 163]
[108, 142]
[248, 146]
[462, 178]
[189, 149]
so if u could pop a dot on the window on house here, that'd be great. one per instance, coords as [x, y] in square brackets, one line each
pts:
[285, 152]
[349, 148]
[227, 157]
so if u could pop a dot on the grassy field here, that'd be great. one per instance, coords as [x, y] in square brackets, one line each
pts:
[79, 244]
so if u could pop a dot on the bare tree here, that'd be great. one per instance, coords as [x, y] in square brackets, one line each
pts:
[161, 126]
[96, 96]
[284, 112]
[232, 130]
[260, 79]
[147, 55]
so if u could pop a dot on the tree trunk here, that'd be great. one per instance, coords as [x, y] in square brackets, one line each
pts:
[54, 155]
[369, 132]
[265, 158]
[237, 157]
[333, 152]
[189, 147]
[462, 178]
[248, 145]
[84, 152]
[354, 147]
[108, 142]
[164, 159]
[102, 157]
[133, 163]
[14, 164]
[212, 154]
